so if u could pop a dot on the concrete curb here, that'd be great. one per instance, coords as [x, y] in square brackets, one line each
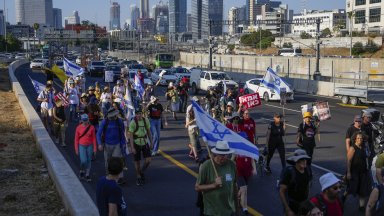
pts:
[76, 199]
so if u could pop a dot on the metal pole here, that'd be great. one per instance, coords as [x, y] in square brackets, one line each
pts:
[317, 73]
[210, 44]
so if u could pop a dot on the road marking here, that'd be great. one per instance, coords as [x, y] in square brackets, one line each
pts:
[282, 108]
[194, 174]
[352, 106]
[285, 123]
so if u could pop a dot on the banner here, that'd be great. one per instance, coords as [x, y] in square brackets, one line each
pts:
[250, 100]
[322, 111]
[59, 73]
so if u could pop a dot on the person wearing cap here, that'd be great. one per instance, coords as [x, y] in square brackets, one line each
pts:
[46, 97]
[193, 130]
[219, 192]
[358, 175]
[375, 205]
[106, 100]
[366, 126]
[83, 103]
[328, 200]
[118, 90]
[91, 95]
[139, 133]
[226, 98]
[73, 95]
[352, 130]
[59, 122]
[85, 146]
[155, 114]
[306, 133]
[182, 89]
[175, 101]
[228, 112]
[111, 137]
[275, 133]
[294, 182]
[168, 97]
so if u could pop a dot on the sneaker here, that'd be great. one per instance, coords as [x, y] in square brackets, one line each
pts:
[154, 154]
[81, 175]
[139, 182]
[245, 212]
[267, 169]
[88, 178]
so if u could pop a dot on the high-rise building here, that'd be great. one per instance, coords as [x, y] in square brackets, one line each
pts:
[215, 13]
[163, 10]
[57, 18]
[162, 25]
[237, 18]
[114, 16]
[34, 11]
[2, 22]
[189, 22]
[203, 11]
[135, 15]
[177, 16]
[251, 11]
[72, 20]
[144, 9]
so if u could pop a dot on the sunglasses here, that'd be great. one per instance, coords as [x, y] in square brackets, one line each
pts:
[246, 113]
[358, 121]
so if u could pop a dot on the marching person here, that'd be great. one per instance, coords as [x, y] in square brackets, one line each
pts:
[155, 111]
[139, 133]
[59, 122]
[249, 126]
[275, 133]
[219, 192]
[182, 89]
[106, 100]
[118, 90]
[366, 126]
[175, 101]
[73, 96]
[46, 97]
[352, 130]
[85, 145]
[193, 130]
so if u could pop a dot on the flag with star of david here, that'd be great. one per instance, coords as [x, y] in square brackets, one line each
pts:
[213, 131]
[39, 87]
[273, 81]
[71, 69]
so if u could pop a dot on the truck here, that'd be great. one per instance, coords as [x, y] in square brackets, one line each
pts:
[359, 87]
[204, 79]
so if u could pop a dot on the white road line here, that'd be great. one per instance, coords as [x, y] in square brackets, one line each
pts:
[314, 165]
[282, 108]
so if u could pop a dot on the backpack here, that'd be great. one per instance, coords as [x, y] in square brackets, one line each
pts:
[379, 206]
[106, 126]
[137, 126]
[321, 204]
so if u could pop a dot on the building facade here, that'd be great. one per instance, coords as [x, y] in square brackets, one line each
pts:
[202, 11]
[237, 18]
[2, 23]
[330, 20]
[215, 13]
[144, 9]
[135, 15]
[114, 16]
[57, 18]
[160, 11]
[30, 12]
[366, 15]
[72, 20]
[177, 16]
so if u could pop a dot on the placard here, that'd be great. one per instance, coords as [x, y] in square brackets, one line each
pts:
[250, 100]
[322, 111]
[108, 76]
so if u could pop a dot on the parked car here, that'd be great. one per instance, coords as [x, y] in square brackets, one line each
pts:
[167, 77]
[255, 85]
[96, 67]
[116, 69]
[203, 80]
[181, 72]
[20, 56]
[37, 64]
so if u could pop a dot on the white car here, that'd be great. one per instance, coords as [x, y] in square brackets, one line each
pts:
[37, 63]
[255, 85]
[147, 81]
[168, 76]
[181, 72]
[20, 56]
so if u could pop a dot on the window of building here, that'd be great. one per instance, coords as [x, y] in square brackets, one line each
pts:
[374, 15]
[360, 2]
[360, 16]
[374, 1]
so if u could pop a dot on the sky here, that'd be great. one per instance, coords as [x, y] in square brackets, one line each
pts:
[97, 11]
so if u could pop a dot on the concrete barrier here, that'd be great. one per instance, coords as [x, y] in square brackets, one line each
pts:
[76, 199]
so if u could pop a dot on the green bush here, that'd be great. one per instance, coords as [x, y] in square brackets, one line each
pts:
[357, 48]
[305, 35]
[371, 47]
[253, 39]
[287, 45]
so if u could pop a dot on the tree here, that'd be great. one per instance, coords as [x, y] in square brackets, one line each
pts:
[371, 47]
[326, 33]
[287, 45]
[254, 38]
[357, 48]
[103, 43]
[305, 35]
[231, 47]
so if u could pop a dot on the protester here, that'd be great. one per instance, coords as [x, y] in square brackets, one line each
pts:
[375, 206]
[109, 196]
[249, 127]
[219, 192]
[275, 133]
[294, 183]
[46, 97]
[175, 101]
[155, 111]
[226, 98]
[97, 91]
[228, 112]
[83, 104]
[328, 200]
[118, 90]
[354, 128]
[91, 95]
[366, 126]
[93, 111]
[211, 99]
[106, 100]
[85, 145]
[139, 133]
[379, 166]
[148, 92]
[168, 97]
[73, 96]
[59, 122]
[193, 130]
[182, 89]
[307, 208]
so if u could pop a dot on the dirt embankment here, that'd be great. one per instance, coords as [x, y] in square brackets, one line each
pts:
[25, 187]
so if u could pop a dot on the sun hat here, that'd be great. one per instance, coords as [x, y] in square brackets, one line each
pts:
[327, 180]
[230, 103]
[307, 115]
[70, 81]
[357, 118]
[195, 98]
[298, 155]
[91, 88]
[112, 113]
[367, 114]
[153, 99]
[222, 148]
[84, 118]
[170, 84]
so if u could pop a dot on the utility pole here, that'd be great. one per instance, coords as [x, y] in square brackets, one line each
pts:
[210, 43]
[317, 74]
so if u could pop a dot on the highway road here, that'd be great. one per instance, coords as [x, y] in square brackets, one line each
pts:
[169, 189]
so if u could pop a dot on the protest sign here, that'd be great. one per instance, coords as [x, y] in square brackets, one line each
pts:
[250, 100]
[108, 76]
[322, 111]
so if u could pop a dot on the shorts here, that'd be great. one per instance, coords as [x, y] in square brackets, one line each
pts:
[141, 149]
[175, 106]
[193, 137]
[46, 112]
[244, 167]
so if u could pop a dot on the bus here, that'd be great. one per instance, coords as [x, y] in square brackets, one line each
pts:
[290, 52]
[164, 60]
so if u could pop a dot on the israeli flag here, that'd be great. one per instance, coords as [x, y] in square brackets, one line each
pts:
[39, 87]
[71, 69]
[213, 131]
[128, 105]
[273, 81]
[138, 86]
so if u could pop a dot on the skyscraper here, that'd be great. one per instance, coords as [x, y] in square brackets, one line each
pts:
[215, 13]
[114, 16]
[135, 15]
[2, 23]
[163, 10]
[34, 11]
[72, 20]
[203, 11]
[251, 11]
[144, 9]
[57, 18]
[177, 16]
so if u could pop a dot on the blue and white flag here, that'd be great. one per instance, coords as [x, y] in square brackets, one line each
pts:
[71, 69]
[128, 105]
[213, 131]
[138, 86]
[39, 87]
[273, 81]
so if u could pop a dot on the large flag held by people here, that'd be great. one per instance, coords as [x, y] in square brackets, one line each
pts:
[39, 87]
[59, 73]
[128, 104]
[212, 131]
[138, 86]
[273, 81]
[71, 69]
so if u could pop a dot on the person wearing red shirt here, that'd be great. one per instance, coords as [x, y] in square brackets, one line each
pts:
[249, 126]
[328, 200]
[85, 145]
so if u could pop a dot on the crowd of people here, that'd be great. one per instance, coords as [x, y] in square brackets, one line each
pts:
[124, 121]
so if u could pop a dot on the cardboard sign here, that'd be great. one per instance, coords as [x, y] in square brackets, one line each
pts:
[108, 76]
[250, 100]
[322, 111]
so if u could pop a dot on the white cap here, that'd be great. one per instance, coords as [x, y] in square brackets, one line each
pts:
[230, 103]
[327, 180]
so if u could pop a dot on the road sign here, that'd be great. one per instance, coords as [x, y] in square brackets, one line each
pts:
[108, 76]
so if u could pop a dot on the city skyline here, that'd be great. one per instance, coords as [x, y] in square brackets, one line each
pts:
[99, 13]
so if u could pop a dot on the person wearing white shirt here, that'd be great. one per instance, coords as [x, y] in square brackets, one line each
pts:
[106, 100]
[46, 98]
[119, 90]
[72, 94]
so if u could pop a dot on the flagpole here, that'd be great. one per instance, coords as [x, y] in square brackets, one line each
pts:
[262, 79]
[210, 156]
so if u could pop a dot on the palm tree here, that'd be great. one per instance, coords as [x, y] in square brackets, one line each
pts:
[36, 26]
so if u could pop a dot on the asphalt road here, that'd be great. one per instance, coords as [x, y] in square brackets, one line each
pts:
[169, 189]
